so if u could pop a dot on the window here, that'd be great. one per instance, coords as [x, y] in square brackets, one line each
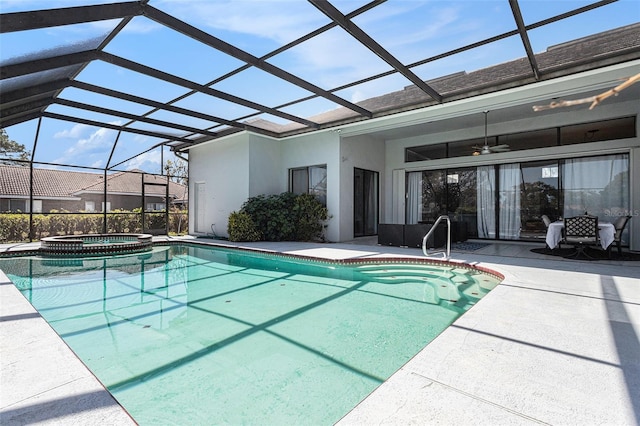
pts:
[530, 140]
[154, 207]
[108, 206]
[507, 200]
[618, 128]
[309, 180]
[89, 206]
[469, 147]
[23, 206]
[426, 152]
[19, 205]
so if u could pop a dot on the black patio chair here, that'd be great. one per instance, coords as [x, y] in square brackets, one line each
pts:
[581, 232]
[620, 223]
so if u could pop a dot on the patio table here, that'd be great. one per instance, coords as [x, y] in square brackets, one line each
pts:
[606, 232]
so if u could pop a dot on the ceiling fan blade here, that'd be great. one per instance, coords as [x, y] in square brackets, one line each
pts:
[503, 146]
[500, 149]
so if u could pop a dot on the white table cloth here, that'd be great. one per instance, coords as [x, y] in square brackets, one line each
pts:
[606, 232]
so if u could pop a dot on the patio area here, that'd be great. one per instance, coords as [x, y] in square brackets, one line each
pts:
[556, 343]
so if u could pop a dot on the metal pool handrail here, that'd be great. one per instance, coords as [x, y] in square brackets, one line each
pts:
[445, 253]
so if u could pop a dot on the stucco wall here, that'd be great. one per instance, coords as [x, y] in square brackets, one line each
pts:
[223, 167]
[363, 152]
[244, 165]
[311, 150]
[498, 125]
[265, 167]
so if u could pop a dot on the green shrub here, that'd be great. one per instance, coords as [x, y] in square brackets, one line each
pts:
[14, 227]
[310, 217]
[242, 227]
[272, 215]
[283, 217]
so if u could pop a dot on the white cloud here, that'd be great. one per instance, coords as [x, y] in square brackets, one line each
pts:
[148, 161]
[97, 144]
[265, 19]
[75, 132]
[140, 25]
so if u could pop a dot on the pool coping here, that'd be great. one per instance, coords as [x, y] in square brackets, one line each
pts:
[601, 296]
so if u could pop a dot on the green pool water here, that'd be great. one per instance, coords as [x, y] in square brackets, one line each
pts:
[197, 335]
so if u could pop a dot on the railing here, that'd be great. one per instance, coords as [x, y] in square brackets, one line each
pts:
[447, 251]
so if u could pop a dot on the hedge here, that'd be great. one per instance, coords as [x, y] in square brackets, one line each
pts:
[14, 227]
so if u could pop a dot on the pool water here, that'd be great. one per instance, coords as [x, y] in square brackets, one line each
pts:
[197, 335]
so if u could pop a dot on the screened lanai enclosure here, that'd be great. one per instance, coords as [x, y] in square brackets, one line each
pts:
[103, 102]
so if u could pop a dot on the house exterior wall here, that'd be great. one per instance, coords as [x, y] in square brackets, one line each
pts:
[312, 150]
[363, 152]
[47, 204]
[124, 202]
[223, 167]
[395, 151]
[265, 170]
[253, 165]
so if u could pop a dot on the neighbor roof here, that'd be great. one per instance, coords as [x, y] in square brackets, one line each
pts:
[52, 183]
[31, 84]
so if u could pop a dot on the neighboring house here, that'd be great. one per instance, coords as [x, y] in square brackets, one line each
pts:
[427, 159]
[80, 191]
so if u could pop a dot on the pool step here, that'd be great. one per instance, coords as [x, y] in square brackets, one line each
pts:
[449, 284]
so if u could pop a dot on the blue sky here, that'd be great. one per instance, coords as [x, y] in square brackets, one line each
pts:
[409, 29]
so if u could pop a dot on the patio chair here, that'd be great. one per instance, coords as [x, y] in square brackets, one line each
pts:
[547, 222]
[620, 223]
[581, 232]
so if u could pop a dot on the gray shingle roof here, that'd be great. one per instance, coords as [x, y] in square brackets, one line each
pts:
[615, 46]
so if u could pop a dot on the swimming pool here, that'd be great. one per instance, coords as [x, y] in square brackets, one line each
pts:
[188, 334]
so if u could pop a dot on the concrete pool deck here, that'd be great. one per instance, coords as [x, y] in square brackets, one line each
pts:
[557, 342]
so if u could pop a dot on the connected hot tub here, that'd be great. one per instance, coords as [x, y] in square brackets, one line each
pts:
[95, 244]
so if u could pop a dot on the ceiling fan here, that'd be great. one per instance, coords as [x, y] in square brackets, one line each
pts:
[486, 149]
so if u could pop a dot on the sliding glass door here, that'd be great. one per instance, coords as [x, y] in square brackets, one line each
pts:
[365, 202]
[462, 198]
[453, 192]
[540, 196]
[597, 185]
[507, 201]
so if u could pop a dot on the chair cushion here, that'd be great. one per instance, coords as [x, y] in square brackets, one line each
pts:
[581, 240]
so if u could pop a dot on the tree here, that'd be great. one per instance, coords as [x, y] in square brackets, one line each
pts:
[177, 171]
[11, 150]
